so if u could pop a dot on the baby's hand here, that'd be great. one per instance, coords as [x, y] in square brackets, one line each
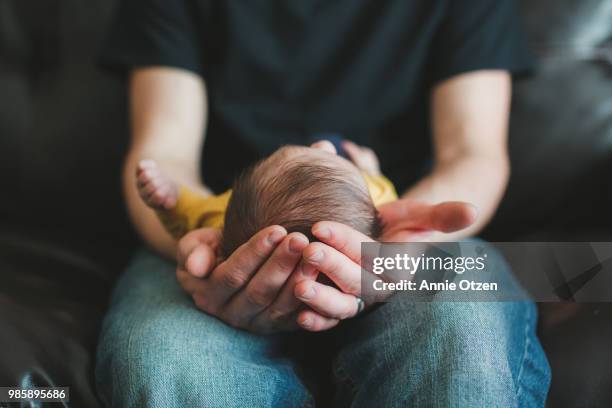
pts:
[363, 157]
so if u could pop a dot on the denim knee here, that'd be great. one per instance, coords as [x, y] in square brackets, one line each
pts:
[157, 349]
[457, 354]
[495, 348]
[141, 361]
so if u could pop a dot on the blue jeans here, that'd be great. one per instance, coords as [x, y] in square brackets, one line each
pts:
[156, 349]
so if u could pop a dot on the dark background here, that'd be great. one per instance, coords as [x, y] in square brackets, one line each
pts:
[64, 235]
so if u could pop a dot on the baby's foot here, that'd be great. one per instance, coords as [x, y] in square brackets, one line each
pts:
[156, 189]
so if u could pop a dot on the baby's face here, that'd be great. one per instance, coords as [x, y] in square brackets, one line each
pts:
[320, 153]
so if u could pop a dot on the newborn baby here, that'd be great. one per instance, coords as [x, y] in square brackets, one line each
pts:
[295, 187]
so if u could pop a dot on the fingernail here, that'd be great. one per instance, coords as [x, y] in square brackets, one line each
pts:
[307, 294]
[296, 245]
[323, 233]
[275, 236]
[306, 322]
[316, 256]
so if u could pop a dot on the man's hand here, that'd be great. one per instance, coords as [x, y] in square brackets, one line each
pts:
[408, 220]
[253, 288]
[338, 256]
[363, 157]
[469, 115]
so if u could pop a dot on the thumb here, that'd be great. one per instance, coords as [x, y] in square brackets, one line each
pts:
[453, 216]
[448, 216]
[200, 261]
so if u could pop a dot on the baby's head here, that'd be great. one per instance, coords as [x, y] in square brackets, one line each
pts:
[297, 187]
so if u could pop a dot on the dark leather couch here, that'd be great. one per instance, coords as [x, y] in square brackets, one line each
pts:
[64, 236]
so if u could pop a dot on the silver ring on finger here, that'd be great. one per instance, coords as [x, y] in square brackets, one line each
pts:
[360, 305]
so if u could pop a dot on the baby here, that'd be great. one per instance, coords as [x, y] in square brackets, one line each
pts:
[295, 187]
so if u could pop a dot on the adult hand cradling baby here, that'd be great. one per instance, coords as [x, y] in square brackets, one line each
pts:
[268, 284]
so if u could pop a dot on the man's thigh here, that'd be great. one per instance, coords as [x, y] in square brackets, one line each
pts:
[444, 354]
[157, 349]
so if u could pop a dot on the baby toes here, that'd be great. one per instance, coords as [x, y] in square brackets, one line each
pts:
[157, 190]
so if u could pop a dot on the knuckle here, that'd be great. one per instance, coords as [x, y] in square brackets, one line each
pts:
[258, 247]
[333, 267]
[354, 288]
[277, 315]
[341, 240]
[257, 297]
[317, 247]
[343, 245]
[284, 262]
[184, 246]
[336, 236]
[233, 280]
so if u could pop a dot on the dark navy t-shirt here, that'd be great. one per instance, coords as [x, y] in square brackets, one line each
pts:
[279, 71]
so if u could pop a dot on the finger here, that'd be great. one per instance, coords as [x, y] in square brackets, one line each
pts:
[200, 261]
[445, 217]
[336, 266]
[313, 321]
[267, 283]
[325, 145]
[326, 300]
[341, 237]
[285, 306]
[186, 245]
[408, 236]
[201, 291]
[189, 283]
[408, 212]
[453, 216]
[352, 150]
[235, 272]
[368, 152]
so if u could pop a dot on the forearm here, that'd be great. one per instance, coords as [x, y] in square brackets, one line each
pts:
[144, 218]
[470, 121]
[168, 114]
[478, 180]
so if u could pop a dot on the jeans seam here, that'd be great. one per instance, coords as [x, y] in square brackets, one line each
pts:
[129, 354]
[525, 352]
